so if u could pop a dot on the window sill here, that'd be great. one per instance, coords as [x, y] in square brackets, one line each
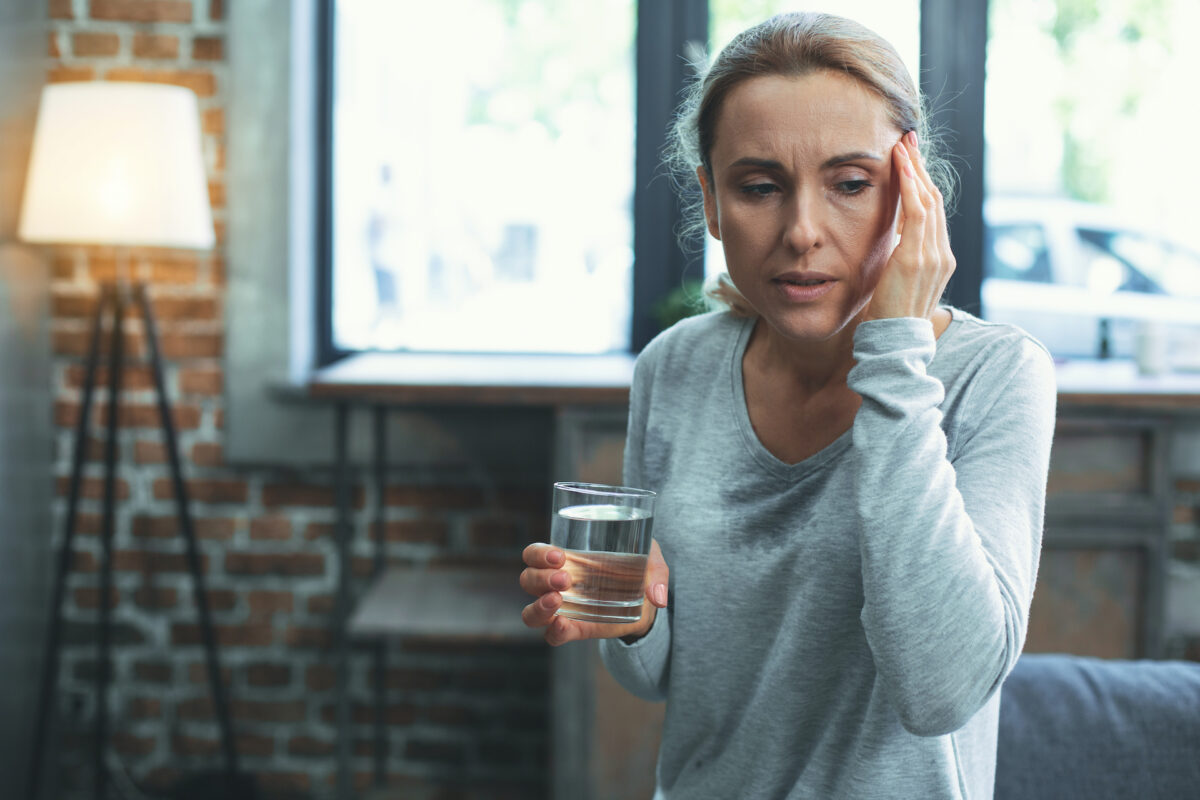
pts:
[462, 379]
[1117, 384]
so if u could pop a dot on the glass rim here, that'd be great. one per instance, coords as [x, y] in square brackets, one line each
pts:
[603, 489]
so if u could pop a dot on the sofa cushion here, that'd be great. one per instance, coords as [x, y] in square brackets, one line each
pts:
[1076, 727]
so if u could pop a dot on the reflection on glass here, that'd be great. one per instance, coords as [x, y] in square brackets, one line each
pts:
[483, 175]
[1086, 140]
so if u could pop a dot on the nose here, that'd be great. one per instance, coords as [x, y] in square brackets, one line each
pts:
[802, 229]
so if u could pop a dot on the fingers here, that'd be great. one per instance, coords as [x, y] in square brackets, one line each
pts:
[542, 572]
[657, 576]
[543, 556]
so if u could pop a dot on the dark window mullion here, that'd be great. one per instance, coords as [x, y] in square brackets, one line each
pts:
[659, 265]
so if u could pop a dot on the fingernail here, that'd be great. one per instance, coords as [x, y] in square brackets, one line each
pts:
[555, 558]
[549, 601]
[912, 136]
[560, 580]
[660, 594]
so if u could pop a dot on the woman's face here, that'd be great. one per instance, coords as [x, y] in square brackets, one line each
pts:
[803, 198]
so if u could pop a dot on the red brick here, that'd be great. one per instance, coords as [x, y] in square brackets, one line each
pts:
[284, 783]
[198, 673]
[149, 561]
[239, 563]
[422, 531]
[150, 45]
[202, 82]
[411, 678]
[394, 714]
[264, 603]
[222, 599]
[207, 454]
[192, 345]
[155, 597]
[195, 308]
[310, 746]
[305, 636]
[267, 711]
[86, 45]
[319, 530]
[1188, 485]
[320, 678]
[61, 9]
[250, 635]
[142, 10]
[93, 488]
[212, 121]
[320, 604]
[70, 74]
[129, 745]
[182, 745]
[434, 497]
[147, 415]
[216, 9]
[52, 48]
[152, 671]
[208, 48]
[144, 708]
[251, 745]
[90, 598]
[83, 561]
[145, 452]
[209, 490]
[134, 377]
[184, 273]
[444, 752]
[1185, 515]
[297, 495]
[207, 381]
[197, 708]
[264, 673]
[274, 528]
[216, 194]
[63, 268]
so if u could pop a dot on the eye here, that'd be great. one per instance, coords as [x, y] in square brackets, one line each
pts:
[760, 189]
[852, 187]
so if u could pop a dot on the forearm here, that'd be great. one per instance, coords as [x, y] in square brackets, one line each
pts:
[949, 551]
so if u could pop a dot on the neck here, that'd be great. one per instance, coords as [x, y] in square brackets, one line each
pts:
[808, 367]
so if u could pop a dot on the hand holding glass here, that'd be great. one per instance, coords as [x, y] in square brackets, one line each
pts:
[605, 533]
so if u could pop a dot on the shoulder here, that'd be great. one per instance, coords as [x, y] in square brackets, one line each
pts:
[971, 340]
[695, 340]
[983, 361]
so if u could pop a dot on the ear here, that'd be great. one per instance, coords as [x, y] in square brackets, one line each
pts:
[710, 204]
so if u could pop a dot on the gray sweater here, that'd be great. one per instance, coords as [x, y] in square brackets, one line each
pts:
[839, 628]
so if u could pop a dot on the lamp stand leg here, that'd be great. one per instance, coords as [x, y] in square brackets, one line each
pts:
[115, 368]
[49, 680]
[199, 594]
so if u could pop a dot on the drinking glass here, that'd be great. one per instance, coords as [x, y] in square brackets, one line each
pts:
[605, 533]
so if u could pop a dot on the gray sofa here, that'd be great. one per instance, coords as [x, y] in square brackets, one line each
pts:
[1076, 728]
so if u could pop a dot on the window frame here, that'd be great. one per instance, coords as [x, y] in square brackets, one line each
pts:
[664, 30]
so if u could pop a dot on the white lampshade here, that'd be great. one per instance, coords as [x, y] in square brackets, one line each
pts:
[117, 163]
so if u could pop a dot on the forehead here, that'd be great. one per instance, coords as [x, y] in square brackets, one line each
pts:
[819, 114]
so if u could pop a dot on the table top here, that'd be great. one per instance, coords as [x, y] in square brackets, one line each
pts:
[475, 603]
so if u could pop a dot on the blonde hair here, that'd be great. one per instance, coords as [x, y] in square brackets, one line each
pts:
[791, 44]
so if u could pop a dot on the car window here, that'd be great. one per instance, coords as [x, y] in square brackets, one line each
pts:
[1121, 262]
[1175, 269]
[1017, 252]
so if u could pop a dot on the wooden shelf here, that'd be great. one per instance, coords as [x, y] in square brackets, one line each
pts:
[472, 603]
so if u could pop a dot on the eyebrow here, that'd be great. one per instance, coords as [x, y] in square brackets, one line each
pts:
[768, 163]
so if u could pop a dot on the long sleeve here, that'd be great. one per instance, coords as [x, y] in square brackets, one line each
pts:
[949, 532]
[641, 667]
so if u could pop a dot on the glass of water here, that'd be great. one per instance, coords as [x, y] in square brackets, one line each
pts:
[605, 533]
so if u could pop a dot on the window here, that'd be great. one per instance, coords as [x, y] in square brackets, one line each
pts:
[1086, 138]
[482, 175]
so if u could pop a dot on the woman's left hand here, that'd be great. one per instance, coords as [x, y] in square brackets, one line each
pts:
[921, 265]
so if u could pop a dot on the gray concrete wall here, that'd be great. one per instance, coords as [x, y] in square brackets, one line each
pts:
[25, 438]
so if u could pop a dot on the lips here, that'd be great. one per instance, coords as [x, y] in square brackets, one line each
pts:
[803, 286]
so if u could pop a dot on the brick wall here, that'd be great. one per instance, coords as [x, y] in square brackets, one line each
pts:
[463, 721]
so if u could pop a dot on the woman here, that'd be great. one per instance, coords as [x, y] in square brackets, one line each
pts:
[851, 477]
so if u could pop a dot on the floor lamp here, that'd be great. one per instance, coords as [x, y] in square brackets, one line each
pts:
[119, 164]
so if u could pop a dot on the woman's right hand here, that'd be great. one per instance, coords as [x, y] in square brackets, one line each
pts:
[545, 579]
